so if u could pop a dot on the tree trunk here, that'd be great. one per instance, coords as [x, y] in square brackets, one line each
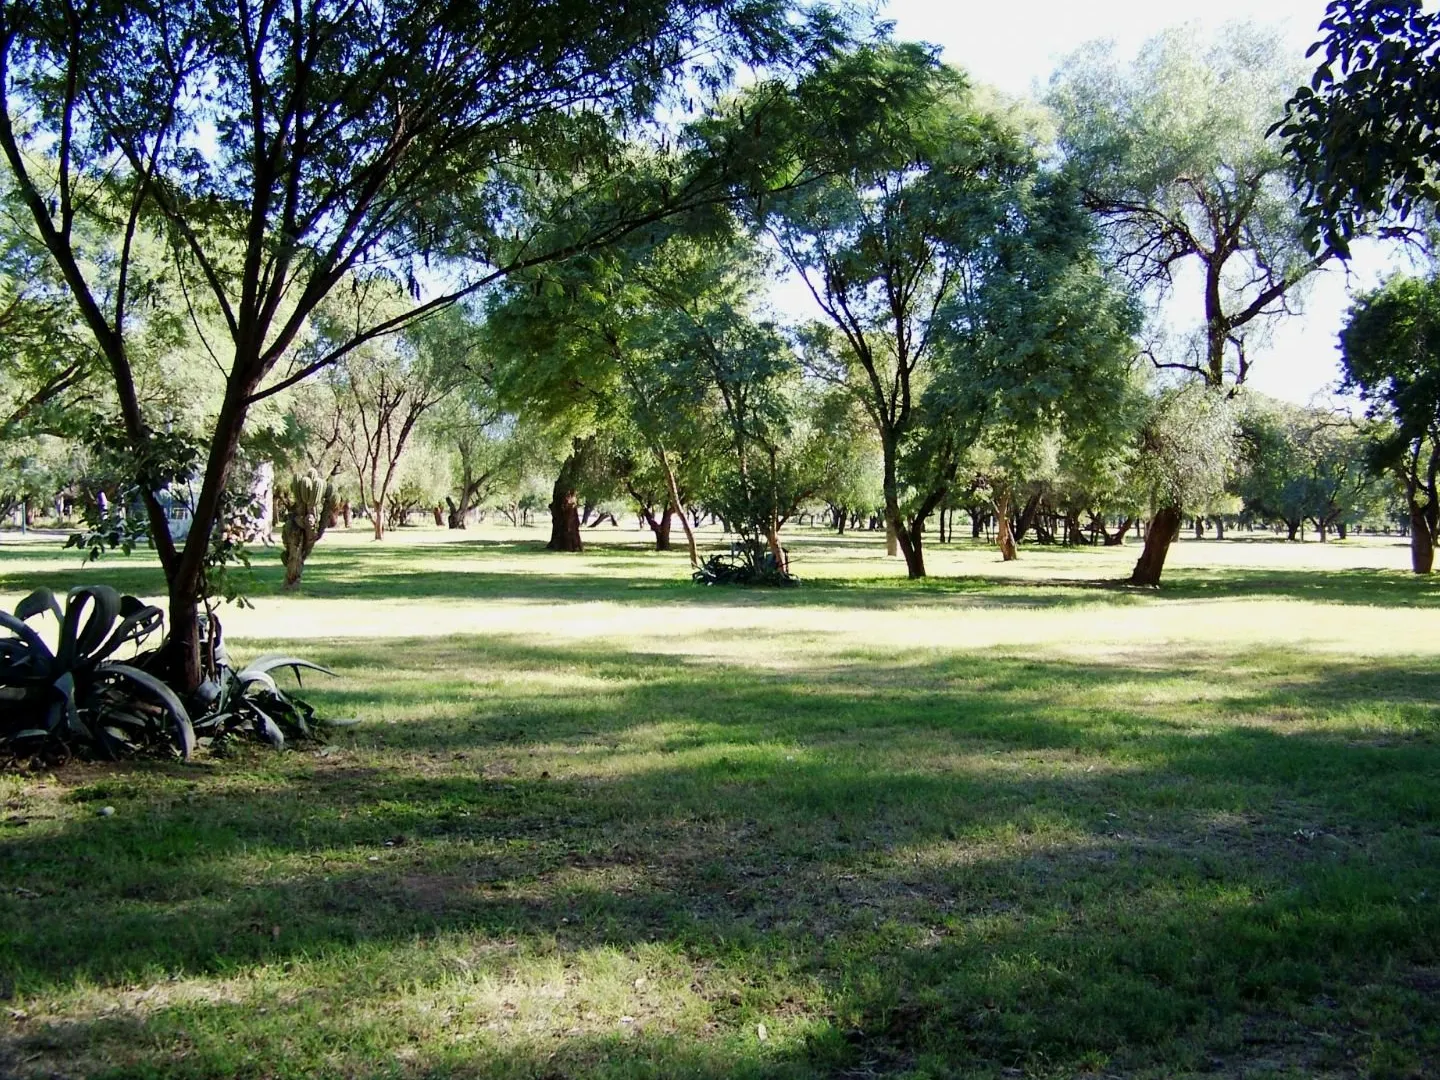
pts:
[565, 501]
[1003, 536]
[1293, 527]
[1118, 537]
[675, 501]
[1422, 540]
[892, 544]
[377, 520]
[1199, 527]
[1219, 528]
[659, 525]
[1163, 527]
[1028, 517]
[911, 544]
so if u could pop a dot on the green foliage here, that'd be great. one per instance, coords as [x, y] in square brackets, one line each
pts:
[1300, 465]
[1364, 135]
[1391, 354]
[948, 264]
[1188, 446]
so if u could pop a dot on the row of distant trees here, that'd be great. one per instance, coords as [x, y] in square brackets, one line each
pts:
[354, 239]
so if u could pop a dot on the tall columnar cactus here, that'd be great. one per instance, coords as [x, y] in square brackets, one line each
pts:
[310, 508]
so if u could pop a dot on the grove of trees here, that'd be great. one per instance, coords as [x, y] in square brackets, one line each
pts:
[443, 260]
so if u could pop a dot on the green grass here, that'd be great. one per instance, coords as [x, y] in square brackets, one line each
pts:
[595, 821]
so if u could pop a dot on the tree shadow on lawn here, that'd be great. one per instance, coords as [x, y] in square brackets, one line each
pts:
[962, 862]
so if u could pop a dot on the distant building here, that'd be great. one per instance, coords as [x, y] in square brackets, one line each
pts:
[178, 502]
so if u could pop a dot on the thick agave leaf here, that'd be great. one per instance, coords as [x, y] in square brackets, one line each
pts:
[102, 605]
[29, 733]
[17, 661]
[184, 732]
[41, 600]
[270, 661]
[65, 687]
[139, 624]
[44, 659]
[213, 722]
[249, 677]
[267, 728]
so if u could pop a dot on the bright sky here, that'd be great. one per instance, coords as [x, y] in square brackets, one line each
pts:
[1016, 46]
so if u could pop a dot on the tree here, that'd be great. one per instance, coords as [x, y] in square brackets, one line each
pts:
[1176, 159]
[1391, 355]
[1301, 465]
[1187, 453]
[282, 149]
[933, 251]
[1364, 135]
[384, 388]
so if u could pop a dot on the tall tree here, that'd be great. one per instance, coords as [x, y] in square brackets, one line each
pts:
[1176, 159]
[282, 148]
[1305, 464]
[931, 249]
[1391, 354]
[1187, 454]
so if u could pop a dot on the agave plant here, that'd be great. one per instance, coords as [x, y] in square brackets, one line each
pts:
[250, 701]
[75, 694]
[74, 698]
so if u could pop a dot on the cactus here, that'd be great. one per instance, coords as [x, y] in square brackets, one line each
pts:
[310, 506]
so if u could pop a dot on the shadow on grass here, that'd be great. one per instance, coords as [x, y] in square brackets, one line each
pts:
[959, 864]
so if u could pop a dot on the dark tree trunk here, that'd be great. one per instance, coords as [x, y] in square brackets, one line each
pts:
[1199, 527]
[1341, 531]
[1027, 518]
[1219, 528]
[660, 526]
[910, 541]
[1118, 537]
[1422, 540]
[1163, 527]
[565, 501]
[1292, 527]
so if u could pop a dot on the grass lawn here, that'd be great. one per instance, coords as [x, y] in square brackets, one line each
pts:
[596, 821]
